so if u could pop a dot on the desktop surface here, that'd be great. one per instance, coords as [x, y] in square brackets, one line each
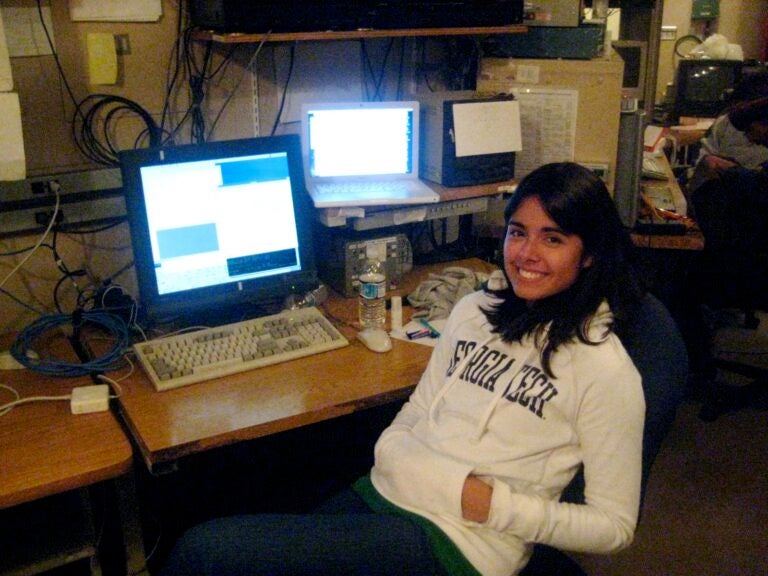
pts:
[45, 449]
[176, 423]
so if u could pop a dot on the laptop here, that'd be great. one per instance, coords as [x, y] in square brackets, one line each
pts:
[363, 154]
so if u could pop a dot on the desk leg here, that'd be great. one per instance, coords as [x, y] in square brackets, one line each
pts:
[130, 521]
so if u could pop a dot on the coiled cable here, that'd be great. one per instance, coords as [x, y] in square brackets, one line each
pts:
[24, 351]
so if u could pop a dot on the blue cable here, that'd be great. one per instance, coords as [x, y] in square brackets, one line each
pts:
[24, 352]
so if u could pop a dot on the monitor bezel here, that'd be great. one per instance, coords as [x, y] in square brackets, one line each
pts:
[234, 300]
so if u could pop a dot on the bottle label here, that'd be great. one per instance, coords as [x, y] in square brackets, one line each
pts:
[372, 290]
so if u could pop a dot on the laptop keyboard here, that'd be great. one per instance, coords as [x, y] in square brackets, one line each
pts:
[363, 190]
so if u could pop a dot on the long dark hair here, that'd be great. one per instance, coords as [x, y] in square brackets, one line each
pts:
[580, 204]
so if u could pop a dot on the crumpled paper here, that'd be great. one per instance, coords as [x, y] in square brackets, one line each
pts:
[434, 297]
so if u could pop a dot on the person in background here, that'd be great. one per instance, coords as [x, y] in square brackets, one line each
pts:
[726, 145]
[525, 385]
[730, 195]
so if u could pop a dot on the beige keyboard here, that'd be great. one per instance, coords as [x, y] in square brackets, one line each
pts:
[213, 352]
[652, 168]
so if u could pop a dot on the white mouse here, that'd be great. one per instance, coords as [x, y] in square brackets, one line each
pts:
[375, 339]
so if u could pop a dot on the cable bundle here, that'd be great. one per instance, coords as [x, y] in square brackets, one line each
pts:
[24, 352]
[103, 110]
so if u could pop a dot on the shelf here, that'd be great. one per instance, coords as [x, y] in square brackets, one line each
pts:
[239, 38]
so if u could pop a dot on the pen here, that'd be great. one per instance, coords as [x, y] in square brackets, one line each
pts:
[418, 334]
[434, 332]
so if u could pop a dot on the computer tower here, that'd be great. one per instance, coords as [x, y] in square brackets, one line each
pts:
[467, 139]
[629, 166]
[344, 252]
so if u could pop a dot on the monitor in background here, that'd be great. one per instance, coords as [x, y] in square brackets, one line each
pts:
[703, 87]
[633, 53]
[221, 231]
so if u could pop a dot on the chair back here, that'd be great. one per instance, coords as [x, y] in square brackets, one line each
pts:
[658, 351]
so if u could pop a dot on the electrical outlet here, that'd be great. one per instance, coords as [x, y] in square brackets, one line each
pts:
[122, 44]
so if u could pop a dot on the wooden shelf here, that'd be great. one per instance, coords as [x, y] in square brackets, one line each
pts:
[239, 38]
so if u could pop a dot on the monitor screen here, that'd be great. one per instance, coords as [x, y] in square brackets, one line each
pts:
[703, 86]
[220, 229]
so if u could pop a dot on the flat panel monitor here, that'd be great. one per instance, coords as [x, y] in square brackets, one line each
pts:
[703, 86]
[221, 231]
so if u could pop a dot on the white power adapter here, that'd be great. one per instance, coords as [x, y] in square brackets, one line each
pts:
[87, 399]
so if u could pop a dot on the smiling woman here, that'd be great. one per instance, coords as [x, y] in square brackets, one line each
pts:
[526, 385]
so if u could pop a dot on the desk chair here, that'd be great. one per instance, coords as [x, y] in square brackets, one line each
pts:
[659, 353]
[731, 272]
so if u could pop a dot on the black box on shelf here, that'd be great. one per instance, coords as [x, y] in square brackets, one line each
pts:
[320, 15]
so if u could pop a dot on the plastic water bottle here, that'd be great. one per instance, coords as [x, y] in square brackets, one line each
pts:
[372, 306]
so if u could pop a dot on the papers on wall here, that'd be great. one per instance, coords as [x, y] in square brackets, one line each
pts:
[115, 10]
[487, 127]
[548, 125]
[25, 33]
[12, 160]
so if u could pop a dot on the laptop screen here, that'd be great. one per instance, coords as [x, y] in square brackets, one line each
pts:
[361, 139]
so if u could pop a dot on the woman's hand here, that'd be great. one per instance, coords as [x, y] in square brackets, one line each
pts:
[476, 499]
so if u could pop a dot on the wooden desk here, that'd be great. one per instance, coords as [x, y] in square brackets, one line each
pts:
[175, 423]
[46, 451]
[692, 240]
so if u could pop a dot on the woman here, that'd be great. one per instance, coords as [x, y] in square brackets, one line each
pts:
[524, 386]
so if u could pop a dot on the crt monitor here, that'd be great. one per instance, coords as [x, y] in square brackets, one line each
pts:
[221, 231]
[703, 86]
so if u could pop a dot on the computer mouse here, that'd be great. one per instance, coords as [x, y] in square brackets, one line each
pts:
[375, 339]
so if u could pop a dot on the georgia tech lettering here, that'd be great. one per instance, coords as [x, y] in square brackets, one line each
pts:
[529, 386]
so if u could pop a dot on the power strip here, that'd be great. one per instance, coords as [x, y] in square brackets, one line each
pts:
[432, 211]
[92, 197]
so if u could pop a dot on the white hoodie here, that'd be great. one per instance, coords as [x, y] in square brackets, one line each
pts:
[487, 408]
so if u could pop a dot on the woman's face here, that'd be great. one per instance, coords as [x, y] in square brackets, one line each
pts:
[540, 259]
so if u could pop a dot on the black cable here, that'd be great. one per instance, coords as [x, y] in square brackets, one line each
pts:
[87, 142]
[103, 109]
[67, 274]
[376, 78]
[285, 89]
[682, 39]
[400, 69]
[20, 302]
